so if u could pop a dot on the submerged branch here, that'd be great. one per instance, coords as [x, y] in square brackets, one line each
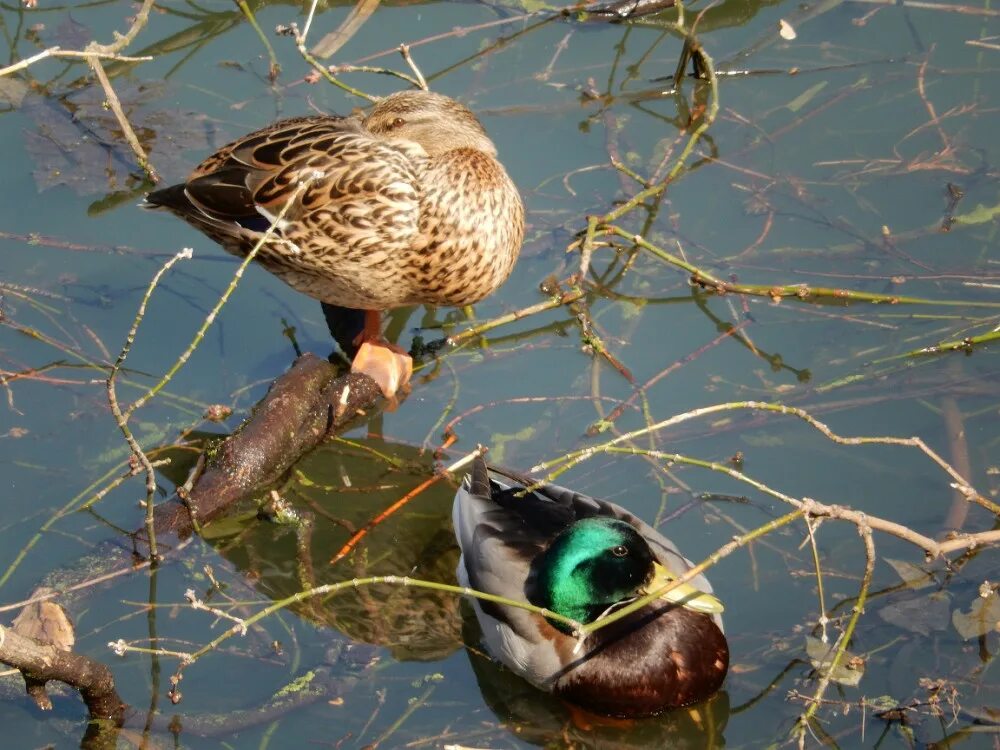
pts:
[41, 662]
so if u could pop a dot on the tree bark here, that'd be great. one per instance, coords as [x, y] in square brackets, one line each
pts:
[303, 407]
[40, 662]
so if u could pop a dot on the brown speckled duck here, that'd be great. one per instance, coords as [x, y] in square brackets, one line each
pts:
[408, 205]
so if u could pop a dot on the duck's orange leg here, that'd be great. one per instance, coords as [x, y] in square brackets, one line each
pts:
[586, 720]
[387, 364]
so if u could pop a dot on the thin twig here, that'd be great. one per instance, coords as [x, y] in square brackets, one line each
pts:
[859, 607]
[70, 54]
[960, 483]
[392, 580]
[210, 318]
[124, 40]
[336, 69]
[399, 504]
[274, 67]
[93, 54]
[552, 303]
[404, 50]
[323, 70]
[776, 292]
[116, 107]
[811, 526]
[309, 20]
[122, 419]
[587, 244]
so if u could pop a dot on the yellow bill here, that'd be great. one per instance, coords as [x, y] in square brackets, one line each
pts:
[684, 595]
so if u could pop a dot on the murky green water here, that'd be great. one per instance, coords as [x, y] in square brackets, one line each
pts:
[835, 176]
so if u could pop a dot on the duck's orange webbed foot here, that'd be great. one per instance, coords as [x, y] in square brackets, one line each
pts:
[387, 364]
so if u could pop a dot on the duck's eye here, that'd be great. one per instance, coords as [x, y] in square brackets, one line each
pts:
[397, 123]
[620, 551]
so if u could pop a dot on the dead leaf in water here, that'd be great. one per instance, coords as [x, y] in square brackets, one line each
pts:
[47, 622]
[70, 34]
[78, 143]
[12, 91]
[921, 615]
[983, 617]
[850, 669]
[913, 576]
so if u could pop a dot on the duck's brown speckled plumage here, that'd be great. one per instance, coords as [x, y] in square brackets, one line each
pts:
[407, 205]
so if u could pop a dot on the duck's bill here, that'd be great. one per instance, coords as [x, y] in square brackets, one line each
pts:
[684, 595]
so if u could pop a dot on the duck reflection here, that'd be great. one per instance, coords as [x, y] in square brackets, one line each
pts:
[329, 495]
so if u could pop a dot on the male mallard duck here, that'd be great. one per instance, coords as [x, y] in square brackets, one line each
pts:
[408, 205]
[581, 557]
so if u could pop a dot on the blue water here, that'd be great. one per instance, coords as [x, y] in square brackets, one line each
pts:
[822, 168]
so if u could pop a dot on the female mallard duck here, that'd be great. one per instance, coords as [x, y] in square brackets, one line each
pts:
[408, 205]
[581, 557]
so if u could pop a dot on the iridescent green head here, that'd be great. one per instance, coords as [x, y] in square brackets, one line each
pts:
[599, 562]
[595, 563]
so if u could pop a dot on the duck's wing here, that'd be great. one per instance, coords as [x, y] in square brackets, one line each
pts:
[497, 544]
[363, 191]
[222, 188]
[497, 549]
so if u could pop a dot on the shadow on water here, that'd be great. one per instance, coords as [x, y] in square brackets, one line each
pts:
[335, 491]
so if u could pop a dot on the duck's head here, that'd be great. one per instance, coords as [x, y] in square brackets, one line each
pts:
[600, 562]
[436, 122]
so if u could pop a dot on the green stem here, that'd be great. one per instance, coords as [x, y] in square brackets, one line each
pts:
[371, 581]
[558, 300]
[965, 345]
[845, 638]
[200, 334]
[275, 67]
[325, 72]
[593, 222]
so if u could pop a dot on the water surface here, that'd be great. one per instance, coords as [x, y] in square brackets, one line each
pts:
[831, 163]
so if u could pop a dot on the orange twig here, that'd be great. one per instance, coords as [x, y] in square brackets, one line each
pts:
[363, 531]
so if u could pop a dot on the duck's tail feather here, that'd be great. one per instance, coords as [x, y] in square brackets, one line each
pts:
[173, 197]
[479, 480]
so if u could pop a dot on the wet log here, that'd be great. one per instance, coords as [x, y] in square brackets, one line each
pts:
[40, 662]
[308, 404]
[303, 407]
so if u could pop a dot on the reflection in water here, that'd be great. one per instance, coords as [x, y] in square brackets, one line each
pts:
[336, 490]
[543, 720]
